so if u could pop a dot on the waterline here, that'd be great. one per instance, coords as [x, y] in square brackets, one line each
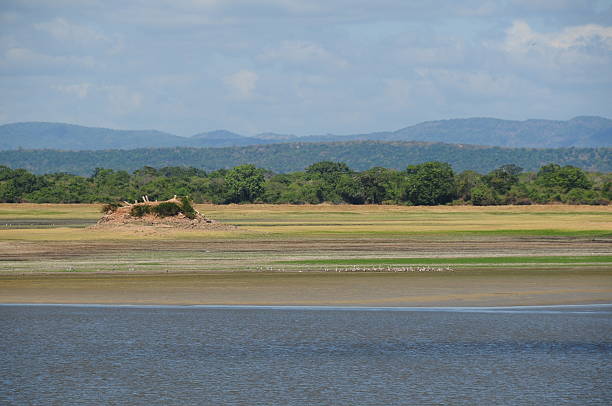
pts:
[549, 309]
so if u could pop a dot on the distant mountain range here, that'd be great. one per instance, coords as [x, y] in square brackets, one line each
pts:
[584, 131]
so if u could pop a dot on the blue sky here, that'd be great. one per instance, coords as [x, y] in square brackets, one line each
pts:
[301, 67]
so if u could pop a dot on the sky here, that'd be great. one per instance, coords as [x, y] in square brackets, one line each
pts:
[301, 66]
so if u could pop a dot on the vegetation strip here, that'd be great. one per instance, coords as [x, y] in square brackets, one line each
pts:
[424, 184]
[457, 260]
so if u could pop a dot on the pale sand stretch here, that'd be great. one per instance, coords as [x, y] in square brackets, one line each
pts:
[462, 288]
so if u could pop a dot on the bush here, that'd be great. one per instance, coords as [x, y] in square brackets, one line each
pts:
[582, 196]
[110, 207]
[140, 210]
[187, 208]
[167, 209]
[483, 195]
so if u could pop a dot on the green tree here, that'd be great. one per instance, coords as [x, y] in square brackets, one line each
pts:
[483, 195]
[563, 179]
[244, 183]
[350, 189]
[63, 188]
[465, 182]
[503, 178]
[112, 185]
[377, 184]
[15, 184]
[327, 170]
[583, 196]
[276, 187]
[328, 174]
[429, 184]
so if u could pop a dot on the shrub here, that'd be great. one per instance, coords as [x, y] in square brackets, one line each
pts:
[483, 195]
[187, 208]
[140, 210]
[582, 196]
[167, 209]
[110, 207]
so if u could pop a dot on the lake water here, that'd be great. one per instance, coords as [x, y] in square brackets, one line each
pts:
[62, 355]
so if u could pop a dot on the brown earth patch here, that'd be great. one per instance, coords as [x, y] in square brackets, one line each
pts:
[123, 219]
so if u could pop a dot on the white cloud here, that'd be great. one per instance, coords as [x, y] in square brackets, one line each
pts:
[521, 37]
[26, 60]
[121, 100]
[80, 90]
[575, 54]
[582, 36]
[546, 5]
[84, 36]
[116, 99]
[63, 30]
[300, 52]
[242, 83]
[481, 85]
[398, 93]
[350, 65]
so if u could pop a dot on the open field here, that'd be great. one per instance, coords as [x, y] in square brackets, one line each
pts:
[468, 255]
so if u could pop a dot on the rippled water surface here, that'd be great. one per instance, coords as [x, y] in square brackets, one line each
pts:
[253, 356]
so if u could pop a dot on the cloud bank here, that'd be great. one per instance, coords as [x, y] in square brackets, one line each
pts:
[302, 67]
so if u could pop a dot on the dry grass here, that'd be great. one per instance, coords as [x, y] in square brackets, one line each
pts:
[303, 221]
[49, 211]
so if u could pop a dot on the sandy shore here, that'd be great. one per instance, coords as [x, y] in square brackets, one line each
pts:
[463, 288]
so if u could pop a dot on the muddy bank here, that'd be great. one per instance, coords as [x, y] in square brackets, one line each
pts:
[463, 288]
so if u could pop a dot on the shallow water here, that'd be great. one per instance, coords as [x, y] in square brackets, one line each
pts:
[305, 356]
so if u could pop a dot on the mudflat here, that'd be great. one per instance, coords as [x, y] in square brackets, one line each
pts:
[460, 288]
[313, 255]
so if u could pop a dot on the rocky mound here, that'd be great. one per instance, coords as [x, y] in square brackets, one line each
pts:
[173, 213]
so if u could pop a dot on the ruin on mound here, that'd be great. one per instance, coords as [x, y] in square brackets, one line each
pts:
[172, 213]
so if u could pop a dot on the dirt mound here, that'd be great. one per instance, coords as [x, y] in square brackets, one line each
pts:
[167, 214]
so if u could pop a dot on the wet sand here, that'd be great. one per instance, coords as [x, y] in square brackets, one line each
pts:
[460, 288]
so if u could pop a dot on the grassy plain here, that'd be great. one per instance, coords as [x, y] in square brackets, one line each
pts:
[291, 254]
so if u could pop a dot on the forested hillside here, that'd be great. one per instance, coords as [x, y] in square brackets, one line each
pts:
[282, 158]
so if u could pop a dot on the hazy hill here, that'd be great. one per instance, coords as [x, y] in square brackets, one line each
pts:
[76, 137]
[223, 138]
[359, 155]
[577, 132]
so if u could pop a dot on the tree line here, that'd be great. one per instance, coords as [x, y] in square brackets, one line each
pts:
[429, 183]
